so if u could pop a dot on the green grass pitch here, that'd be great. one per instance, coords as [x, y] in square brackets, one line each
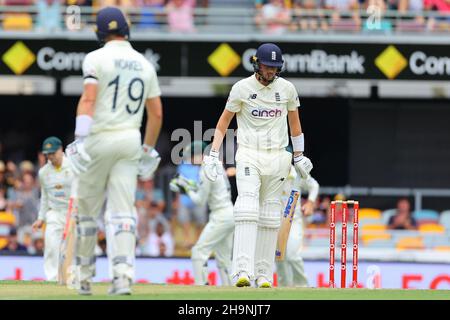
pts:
[24, 290]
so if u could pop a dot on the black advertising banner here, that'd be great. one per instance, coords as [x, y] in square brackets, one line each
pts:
[61, 58]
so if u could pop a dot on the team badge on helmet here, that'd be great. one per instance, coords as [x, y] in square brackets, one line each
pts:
[111, 20]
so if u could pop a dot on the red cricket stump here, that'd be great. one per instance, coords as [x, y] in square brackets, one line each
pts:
[344, 245]
[345, 214]
[355, 244]
[332, 242]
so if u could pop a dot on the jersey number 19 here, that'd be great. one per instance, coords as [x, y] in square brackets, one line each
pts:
[139, 97]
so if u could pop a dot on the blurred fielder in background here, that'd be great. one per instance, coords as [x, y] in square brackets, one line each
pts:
[291, 271]
[107, 153]
[264, 103]
[217, 236]
[55, 179]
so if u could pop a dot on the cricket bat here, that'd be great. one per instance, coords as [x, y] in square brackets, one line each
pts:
[286, 222]
[67, 247]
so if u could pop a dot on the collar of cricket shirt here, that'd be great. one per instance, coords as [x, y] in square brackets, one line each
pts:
[260, 86]
[117, 43]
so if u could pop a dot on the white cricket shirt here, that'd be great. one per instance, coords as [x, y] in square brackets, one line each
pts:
[217, 194]
[125, 80]
[55, 187]
[261, 112]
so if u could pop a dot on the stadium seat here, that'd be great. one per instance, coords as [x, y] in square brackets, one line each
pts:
[433, 240]
[318, 242]
[387, 214]
[345, 25]
[369, 213]
[373, 227]
[409, 26]
[7, 221]
[7, 218]
[369, 221]
[367, 238]
[426, 214]
[442, 248]
[410, 243]
[432, 228]
[444, 219]
[379, 243]
[17, 21]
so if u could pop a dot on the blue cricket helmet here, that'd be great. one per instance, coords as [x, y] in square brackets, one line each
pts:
[110, 20]
[270, 55]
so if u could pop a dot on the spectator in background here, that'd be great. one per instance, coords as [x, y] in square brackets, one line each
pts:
[441, 7]
[3, 202]
[150, 12]
[180, 15]
[308, 16]
[273, 17]
[49, 16]
[320, 213]
[344, 8]
[12, 176]
[37, 243]
[13, 243]
[160, 243]
[27, 167]
[2, 175]
[408, 6]
[402, 220]
[149, 203]
[25, 200]
[142, 207]
[41, 160]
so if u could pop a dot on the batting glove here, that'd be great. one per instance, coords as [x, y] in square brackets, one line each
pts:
[212, 166]
[173, 185]
[182, 184]
[303, 165]
[149, 162]
[78, 158]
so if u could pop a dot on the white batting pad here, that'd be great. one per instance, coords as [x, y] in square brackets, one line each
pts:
[244, 247]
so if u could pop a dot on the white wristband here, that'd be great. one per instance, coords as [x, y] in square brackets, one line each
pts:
[298, 143]
[214, 153]
[83, 125]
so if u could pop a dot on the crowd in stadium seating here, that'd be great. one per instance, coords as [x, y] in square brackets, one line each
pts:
[160, 231]
[271, 16]
[280, 16]
[19, 207]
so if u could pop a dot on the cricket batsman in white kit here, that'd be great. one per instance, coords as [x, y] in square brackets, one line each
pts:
[290, 271]
[107, 154]
[261, 103]
[55, 179]
[217, 235]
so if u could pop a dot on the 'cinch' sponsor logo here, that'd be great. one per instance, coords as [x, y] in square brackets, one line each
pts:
[266, 113]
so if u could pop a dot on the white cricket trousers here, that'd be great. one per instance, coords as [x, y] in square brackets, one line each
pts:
[217, 237]
[291, 272]
[54, 228]
[260, 175]
[112, 171]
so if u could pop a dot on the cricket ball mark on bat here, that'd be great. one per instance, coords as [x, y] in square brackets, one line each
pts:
[288, 215]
